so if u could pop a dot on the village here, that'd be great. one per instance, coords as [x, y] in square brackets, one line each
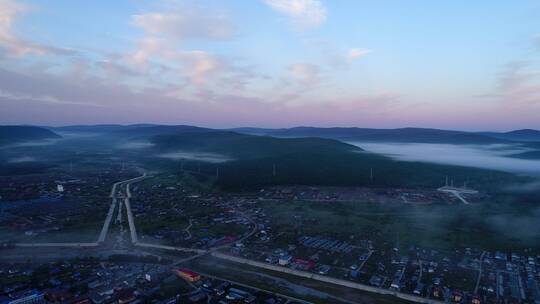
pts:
[243, 228]
[85, 281]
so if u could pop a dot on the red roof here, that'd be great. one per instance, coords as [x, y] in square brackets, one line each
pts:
[188, 272]
[304, 262]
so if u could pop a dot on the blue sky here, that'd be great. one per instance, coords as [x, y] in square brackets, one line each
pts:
[470, 65]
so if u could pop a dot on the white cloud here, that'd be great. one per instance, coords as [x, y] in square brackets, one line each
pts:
[304, 13]
[10, 11]
[201, 65]
[180, 23]
[354, 53]
[164, 34]
[305, 74]
[196, 66]
[146, 48]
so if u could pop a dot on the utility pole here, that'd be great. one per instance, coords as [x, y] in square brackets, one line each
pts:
[274, 170]
[397, 239]
[446, 184]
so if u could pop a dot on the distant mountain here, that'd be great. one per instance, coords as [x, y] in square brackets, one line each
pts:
[405, 135]
[135, 131]
[295, 156]
[254, 131]
[524, 135]
[130, 131]
[413, 135]
[254, 161]
[18, 134]
[105, 128]
[244, 146]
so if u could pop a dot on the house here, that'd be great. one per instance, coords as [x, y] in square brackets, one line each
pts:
[58, 295]
[285, 260]
[187, 275]
[376, 280]
[419, 289]
[125, 297]
[96, 298]
[95, 284]
[396, 284]
[457, 296]
[304, 264]
[437, 292]
[197, 297]
[501, 256]
[29, 297]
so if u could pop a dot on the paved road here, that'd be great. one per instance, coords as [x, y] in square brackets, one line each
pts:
[127, 204]
[457, 192]
[114, 197]
[189, 227]
[326, 279]
[172, 248]
[106, 225]
[259, 289]
[56, 244]
[479, 273]
[458, 195]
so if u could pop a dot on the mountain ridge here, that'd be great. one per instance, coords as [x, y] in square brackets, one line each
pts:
[409, 134]
[14, 134]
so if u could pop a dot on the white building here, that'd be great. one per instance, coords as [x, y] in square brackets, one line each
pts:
[284, 260]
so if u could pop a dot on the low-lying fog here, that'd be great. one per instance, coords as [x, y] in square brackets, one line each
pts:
[200, 156]
[32, 143]
[135, 145]
[481, 156]
[22, 159]
[66, 134]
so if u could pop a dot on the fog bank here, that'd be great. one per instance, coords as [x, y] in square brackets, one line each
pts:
[198, 156]
[495, 157]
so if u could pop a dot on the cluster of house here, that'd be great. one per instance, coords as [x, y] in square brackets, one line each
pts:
[373, 195]
[94, 282]
[41, 204]
[511, 276]
[321, 243]
[83, 281]
[464, 276]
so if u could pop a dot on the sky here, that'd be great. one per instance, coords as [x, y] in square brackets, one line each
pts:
[464, 65]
